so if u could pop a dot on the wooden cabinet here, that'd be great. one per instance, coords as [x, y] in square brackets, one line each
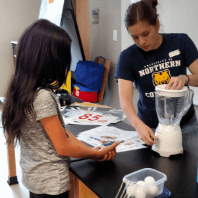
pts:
[79, 189]
[82, 18]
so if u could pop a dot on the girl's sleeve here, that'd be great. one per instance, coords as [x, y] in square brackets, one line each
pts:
[44, 105]
[189, 49]
[124, 69]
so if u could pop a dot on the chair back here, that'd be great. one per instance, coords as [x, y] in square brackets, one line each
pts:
[106, 65]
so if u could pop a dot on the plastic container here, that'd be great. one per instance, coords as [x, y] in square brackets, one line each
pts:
[140, 175]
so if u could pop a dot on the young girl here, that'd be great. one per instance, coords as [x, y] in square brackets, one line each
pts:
[155, 59]
[32, 117]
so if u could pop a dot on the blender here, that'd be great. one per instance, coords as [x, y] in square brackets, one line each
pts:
[171, 106]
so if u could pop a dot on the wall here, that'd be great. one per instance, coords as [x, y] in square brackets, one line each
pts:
[15, 16]
[102, 44]
[180, 17]
[127, 41]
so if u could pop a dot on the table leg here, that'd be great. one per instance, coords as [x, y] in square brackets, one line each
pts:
[12, 178]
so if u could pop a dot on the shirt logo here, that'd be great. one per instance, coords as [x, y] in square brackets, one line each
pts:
[162, 77]
[174, 53]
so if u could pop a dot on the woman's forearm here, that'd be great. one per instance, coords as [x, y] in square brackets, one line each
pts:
[130, 112]
[193, 80]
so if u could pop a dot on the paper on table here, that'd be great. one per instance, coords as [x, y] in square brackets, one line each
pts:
[90, 141]
[124, 148]
[111, 112]
[132, 144]
[109, 133]
[90, 118]
[92, 115]
[120, 148]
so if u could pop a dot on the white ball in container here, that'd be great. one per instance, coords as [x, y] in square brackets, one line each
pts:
[140, 192]
[131, 190]
[153, 190]
[149, 180]
[143, 184]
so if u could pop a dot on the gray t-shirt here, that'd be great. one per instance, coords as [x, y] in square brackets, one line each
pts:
[43, 170]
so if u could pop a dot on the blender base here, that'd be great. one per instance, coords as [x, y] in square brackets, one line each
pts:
[169, 140]
[168, 153]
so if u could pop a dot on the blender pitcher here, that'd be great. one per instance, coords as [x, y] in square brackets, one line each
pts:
[171, 106]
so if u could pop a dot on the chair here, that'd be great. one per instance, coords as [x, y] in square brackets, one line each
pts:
[106, 65]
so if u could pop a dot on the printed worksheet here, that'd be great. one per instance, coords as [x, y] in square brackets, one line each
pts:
[107, 135]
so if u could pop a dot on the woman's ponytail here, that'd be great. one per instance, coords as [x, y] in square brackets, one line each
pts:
[154, 3]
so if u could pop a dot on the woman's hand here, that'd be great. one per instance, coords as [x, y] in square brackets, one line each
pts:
[177, 83]
[106, 153]
[146, 134]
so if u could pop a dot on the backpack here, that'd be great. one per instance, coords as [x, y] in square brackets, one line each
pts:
[89, 74]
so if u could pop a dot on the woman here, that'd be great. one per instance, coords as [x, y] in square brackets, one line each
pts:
[154, 59]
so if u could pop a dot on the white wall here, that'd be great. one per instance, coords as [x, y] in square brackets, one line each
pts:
[15, 16]
[180, 16]
[102, 44]
[127, 41]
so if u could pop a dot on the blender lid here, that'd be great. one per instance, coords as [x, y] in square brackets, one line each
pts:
[170, 93]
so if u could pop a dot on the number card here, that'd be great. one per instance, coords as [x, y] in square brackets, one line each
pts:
[91, 119]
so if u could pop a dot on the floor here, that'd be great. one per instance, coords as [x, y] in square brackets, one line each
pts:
[13, 191]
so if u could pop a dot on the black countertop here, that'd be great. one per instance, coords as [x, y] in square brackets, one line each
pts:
[105, 178]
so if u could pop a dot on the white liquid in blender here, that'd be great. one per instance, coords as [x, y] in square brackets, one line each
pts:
[168, 128]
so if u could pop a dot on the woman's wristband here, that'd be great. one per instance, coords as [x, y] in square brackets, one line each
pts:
[188, 79]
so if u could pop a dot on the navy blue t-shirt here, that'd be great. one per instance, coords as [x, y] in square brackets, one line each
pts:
[149, 69]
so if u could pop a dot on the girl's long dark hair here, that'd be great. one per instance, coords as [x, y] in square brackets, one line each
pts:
[43, 61]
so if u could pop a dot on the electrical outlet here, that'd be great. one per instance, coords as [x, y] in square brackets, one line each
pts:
[115, 35]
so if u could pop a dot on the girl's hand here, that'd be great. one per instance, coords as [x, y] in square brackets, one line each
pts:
[177, 83]
[146, 134]
[106, 153]
[108, 156]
